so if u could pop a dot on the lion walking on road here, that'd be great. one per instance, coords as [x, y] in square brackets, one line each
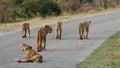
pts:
[41, 37]
[25, 29]
[84, 29]
[58, 30]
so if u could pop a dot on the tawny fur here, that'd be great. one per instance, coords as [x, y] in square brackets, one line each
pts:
[41, 37]
[25, 29]
[84, 29]
[58, 30]
[30, 55]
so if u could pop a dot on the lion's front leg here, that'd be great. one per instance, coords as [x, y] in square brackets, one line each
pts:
[26, 58]
[60, 36]
[20, 59]
[24, 33]
[29, 32]
[44, 40]
[17, 59]
[86, 35]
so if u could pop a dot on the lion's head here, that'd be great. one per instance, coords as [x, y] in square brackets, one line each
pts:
[59, 22]
[26, 47]
[48, 28]
[89, 21]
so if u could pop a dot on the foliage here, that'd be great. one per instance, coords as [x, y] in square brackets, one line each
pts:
[41, 7]
[25, 9]
[29, 8]
[49, 8]
[76, 5]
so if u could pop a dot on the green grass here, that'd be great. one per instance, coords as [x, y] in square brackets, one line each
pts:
[107, 55]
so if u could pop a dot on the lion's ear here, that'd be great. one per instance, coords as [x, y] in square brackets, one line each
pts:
[89, 21]
[46, 26]
[30, 47]
[60, 22]
[24, 44]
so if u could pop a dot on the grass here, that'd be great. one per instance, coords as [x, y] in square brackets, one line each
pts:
[105, 56]
[6, 27]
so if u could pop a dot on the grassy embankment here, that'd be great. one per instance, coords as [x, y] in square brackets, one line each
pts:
[105, 56]
[6, 27]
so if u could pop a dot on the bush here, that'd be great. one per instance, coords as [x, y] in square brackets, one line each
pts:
[50, 8]
[13, 14]
[22, 9]
[18, 2]
[41, 7]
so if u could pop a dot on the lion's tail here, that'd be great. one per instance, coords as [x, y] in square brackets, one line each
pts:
[38, 37]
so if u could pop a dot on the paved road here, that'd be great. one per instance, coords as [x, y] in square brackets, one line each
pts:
[65, 53]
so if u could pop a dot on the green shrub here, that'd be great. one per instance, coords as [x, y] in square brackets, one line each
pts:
[49, 8]
[13, 14]
[41, 7]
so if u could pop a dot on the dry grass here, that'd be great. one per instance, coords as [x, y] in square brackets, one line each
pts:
[6, 27]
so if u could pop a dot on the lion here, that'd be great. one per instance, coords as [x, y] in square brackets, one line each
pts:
[84, 29]
[41, 36]
[25, 29]
[58, 30]
[30, 55]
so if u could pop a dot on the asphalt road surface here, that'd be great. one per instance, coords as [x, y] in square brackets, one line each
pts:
[65, 53]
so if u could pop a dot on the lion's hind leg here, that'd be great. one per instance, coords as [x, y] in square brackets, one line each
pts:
[36, 59]
[56, 36]
[59, 36]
